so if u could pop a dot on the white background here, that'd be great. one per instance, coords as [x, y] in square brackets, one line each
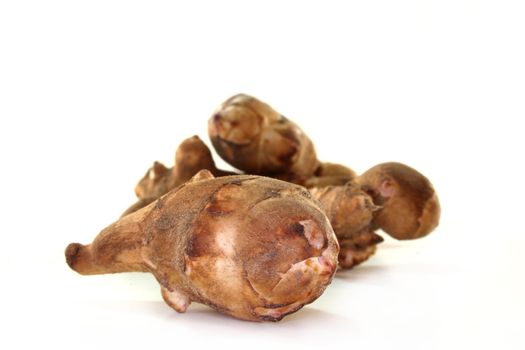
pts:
[92, 92]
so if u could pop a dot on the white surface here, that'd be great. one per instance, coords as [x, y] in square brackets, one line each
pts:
[92, 92]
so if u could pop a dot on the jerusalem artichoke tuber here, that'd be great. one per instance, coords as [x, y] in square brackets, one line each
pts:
[251, 247]
[409, 204]
[191, 156]
[390, 196]
[253, 137]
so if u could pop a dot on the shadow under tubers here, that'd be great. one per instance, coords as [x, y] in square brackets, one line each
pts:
[251, 247]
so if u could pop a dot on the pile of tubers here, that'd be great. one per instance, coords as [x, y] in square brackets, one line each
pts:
[258, 244]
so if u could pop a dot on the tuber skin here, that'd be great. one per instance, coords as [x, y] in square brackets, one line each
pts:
[409, 204]
[390, 196]
[191, 156]
[351, 214]
[253, 137]
[329, 174]
[251, 247]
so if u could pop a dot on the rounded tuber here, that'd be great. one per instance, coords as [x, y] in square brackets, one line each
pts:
[251, 247]
[409, 206]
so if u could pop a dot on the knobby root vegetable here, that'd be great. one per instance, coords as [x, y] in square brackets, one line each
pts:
[253, 137]
[251, 247]
[351, 213]
[191, 156]
[390, 196]
[409, 204]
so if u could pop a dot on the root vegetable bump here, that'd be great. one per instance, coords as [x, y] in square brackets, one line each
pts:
[191, 156]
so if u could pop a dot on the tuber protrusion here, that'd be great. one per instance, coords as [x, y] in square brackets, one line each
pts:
[351, 213]
[191, 156]
[251, 247]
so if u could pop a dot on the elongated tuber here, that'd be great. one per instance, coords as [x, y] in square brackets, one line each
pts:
[191, 156]
[253, 137]
[251, 247]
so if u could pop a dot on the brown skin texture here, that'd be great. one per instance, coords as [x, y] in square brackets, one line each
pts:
[241, 128]
[251, 247]
[409, 204]
[327, 174]
[390, 196]
[191, 156]
[351, 213]
[253, 137]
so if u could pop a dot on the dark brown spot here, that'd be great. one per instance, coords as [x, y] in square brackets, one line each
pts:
[274, 306]
[196, 247]
[297, 228]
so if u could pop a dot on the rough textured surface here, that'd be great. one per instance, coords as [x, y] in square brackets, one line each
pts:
[251, 247]
[191, 156]
[391, 196]
[330, 174]
[409, 205]
[351, 213]
[253, 137]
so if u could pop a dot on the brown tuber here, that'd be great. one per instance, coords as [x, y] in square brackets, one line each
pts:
[253, 137]
[191, 156]
[391, 196]
[409, 205]
[251, 247]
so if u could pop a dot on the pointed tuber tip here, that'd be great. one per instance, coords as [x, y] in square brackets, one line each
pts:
[72, 253]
